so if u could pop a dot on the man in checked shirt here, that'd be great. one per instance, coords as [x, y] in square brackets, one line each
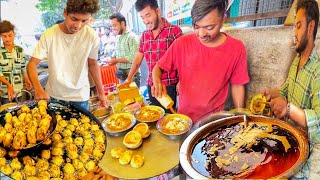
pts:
[154, 42]
[298, 99]
[127, 45]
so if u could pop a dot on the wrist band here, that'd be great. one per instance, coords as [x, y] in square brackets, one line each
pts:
[287, 111]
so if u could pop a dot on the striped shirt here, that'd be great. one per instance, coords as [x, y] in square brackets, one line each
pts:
[12, 67]
[126, 47]
[303, 90]
[153, 49]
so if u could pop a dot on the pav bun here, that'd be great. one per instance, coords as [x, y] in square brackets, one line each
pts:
[137, 161]
[143, 129]
[117, 152]
[126, 157]
[132, 139]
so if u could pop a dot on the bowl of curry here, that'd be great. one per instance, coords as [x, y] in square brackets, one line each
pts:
[174, 124]
[149, 114]
[226, 149]
[118, 123]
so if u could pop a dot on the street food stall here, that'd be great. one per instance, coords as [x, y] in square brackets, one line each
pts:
[134, 140]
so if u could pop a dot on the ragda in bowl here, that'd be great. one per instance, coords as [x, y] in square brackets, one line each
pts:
[174, 124]
[149, 114]
[120, 122]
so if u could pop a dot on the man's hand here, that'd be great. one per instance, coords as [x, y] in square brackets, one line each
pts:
[112, 61]
[266, 93]
[279, 106]
[158, 89]
[41, 94]
[126, 83]
[27, 84]
[10, 92]
[103, 101]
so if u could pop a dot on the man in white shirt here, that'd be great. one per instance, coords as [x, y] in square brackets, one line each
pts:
[71, 48]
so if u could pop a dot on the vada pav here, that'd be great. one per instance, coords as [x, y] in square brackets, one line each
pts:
[137, 161]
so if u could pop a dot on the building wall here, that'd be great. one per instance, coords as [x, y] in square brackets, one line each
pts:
[125, 11]
[270, 52]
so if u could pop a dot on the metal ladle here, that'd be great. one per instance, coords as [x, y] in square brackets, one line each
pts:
[245, 121]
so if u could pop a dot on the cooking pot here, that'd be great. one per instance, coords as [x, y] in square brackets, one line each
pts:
[194, 158]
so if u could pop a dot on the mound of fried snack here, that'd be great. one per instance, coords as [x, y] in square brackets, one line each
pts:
[126, 157]
[74, 150]
[26, 127]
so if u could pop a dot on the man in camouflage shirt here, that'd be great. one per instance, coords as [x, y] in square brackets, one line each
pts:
[12, 64]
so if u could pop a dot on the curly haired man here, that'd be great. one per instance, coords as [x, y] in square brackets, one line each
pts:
[71, 49]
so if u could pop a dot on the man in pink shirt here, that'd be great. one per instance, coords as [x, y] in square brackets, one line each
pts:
[207, 61]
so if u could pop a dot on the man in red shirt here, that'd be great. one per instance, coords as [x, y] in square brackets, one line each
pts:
[154, 42]
[207, 61]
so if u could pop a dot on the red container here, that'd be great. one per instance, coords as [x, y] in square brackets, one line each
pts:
[110, 88]
[108, 74]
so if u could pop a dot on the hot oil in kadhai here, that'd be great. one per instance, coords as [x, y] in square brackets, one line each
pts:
[271, 153]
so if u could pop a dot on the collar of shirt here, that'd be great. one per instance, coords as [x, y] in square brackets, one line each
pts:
[313, 56]
[2, 46]
[124, 34]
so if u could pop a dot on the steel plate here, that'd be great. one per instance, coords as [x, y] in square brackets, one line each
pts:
[161, 154]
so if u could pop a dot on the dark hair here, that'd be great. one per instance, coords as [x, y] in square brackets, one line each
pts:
[6, 26]
[141, 4]
[82, 6]
[202, 7]
[120, 18]
[59, 21]
[311, 11]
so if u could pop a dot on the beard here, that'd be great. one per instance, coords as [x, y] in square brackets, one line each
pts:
[156, 24]
[120, 31]
[302, 43]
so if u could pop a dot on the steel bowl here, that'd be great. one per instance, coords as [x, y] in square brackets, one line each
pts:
[173, 131]
[121, 130]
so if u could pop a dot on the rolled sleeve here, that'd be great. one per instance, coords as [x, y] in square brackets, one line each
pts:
[40, 52]
[141, 43]
[94, 48]
[240, 74]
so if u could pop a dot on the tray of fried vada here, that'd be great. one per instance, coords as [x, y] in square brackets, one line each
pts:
[73, 150]
[26, 126]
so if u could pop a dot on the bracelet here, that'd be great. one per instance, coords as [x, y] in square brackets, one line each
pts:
[286, 116]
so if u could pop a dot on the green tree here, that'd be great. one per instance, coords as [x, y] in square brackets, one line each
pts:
[53, 11]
